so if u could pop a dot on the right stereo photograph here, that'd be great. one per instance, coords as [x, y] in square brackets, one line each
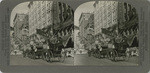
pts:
[106, 34]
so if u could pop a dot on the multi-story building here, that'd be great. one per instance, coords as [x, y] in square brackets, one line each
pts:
[105, 15]
[40, 15]
[20, 27]
[86, 28]
[115, 19]
[77, 44]
[25, 31]
[53, 18]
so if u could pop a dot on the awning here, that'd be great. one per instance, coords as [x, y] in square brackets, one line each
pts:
[130, 39]
[63, 25]
[53, 40]
[40, 32]
[63, 28]
[109, 30]
[66, 39]
[105, 31]
[119, 39]
[130, 24]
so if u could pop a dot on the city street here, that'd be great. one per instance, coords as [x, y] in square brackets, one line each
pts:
[83, 59]
[19, 60]
[80, 59]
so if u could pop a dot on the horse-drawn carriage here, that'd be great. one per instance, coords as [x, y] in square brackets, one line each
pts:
[55, 51]
[34, 52]
[112, 51]
[119, 52]
[100, 51]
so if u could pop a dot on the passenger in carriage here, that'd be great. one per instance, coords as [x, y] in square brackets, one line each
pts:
[98, 46]
[32, 46]
[57, 46]
[45, 45]
[111, 45]
[98, 49]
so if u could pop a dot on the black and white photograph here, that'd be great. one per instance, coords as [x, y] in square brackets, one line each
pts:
[42, 34]
[71, 36]
[101, 33]
[106, 34]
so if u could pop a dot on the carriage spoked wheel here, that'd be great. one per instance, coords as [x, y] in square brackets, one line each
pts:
[30, 55]
[127, 55]
[115, 56]
[112, 55]
[48, 56]
[34, 56]
[44, 56]
[99, 54]
[62, 56]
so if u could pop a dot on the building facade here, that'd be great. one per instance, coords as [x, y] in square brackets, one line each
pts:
[116, 21]
[52, 19]
[105, 15]
[86, 28]
[25, 31]
[77, 43]
[20, 27]
[40, 15]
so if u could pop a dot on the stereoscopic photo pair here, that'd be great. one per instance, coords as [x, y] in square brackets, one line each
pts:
[102, 33]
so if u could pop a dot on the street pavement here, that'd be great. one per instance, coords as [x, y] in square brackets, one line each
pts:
[83, 59]
[19, 60]
[79, 59]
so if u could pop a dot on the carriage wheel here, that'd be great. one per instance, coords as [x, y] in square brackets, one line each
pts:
[48, 56]
[89, 53]
[99, 54]
[43, 56]
[115, 55]
[112, 55]
[127, 55]
[30, 55]
[62, 57]
[24, 55]
[94, 53]
[34, 55]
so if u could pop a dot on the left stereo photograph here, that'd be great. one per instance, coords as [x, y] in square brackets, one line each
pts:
[42, 34]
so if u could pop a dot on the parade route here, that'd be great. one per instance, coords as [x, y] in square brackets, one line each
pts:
[19, 60]
[78, 60]
[83, 59]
